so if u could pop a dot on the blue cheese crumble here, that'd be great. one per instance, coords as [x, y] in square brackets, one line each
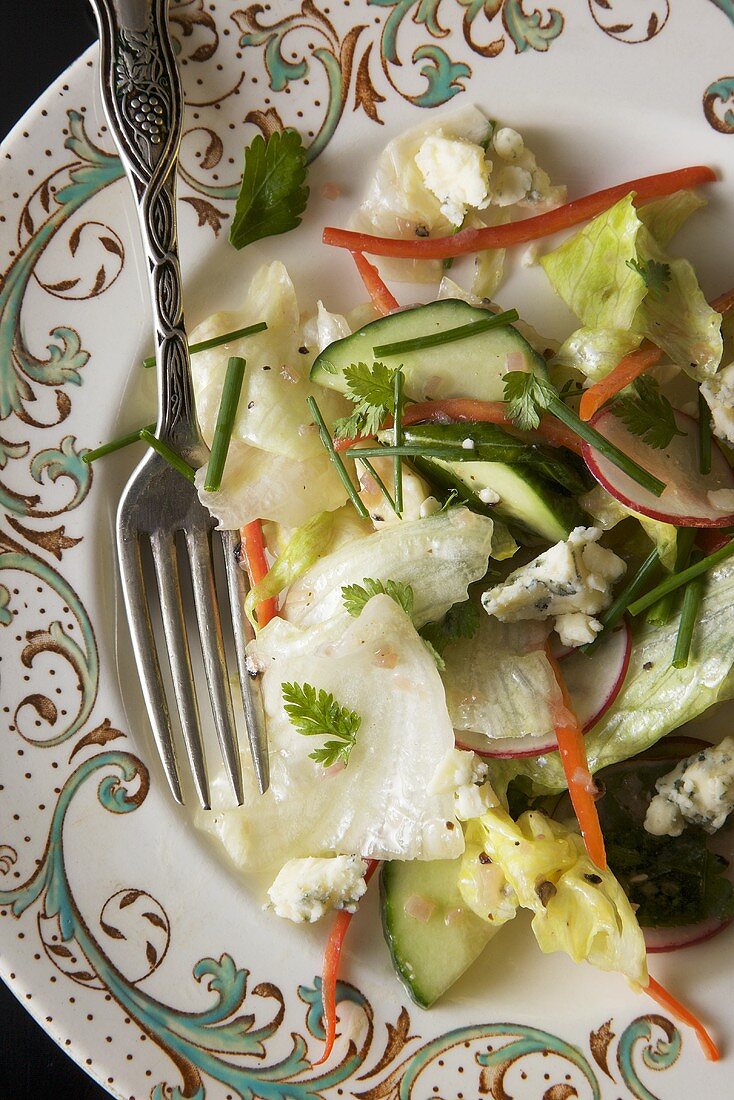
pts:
[305, 889]
[719, 394]
[698, 791]
[456, 172]
[464, 773]
[570, 583]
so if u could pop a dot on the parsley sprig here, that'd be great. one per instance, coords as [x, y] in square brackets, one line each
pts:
[528, 395]
[460, 621]
[317, 713]
[273, 194]
[355, 596]
[646, 412]
[655, 275]
[373, 391]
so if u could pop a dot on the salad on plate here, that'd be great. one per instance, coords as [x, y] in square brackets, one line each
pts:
[492, 575]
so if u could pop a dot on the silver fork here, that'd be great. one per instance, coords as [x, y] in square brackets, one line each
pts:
[143, 102]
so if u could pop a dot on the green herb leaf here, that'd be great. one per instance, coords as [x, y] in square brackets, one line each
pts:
[440, 663]
[355, 596]
[647, 413]
[373, 391]
[273, 194]
[460, 621]
[654, 274]
[317, 713]
[525, 395]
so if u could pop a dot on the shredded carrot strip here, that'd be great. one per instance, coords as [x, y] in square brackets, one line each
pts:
[529, 229]
[671, 1004]
[344, 444]
[626, 370]
[491, 412]
[253, 547]
[724, 302]
[381, 297]
[576, 769]
[330, 973]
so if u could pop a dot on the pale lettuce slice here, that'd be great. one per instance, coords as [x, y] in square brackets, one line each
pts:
[380, 805]
[596, 351]
[305, 546]
[664, 217]
[607, 512]
[258, 484]
[577, 907]
[499, 682]
[655, 698]
[272, 413]
[439, 557]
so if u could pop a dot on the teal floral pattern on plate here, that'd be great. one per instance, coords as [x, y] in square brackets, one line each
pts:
[69, 275]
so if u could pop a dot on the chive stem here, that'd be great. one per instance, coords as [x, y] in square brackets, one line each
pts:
[634, 587]
[688, 616]
[591, 436]
[704, 435]
[336, 459]
[414, 450]
[397, 439]
[661, 612]
[217, 341]
[380, 484]
[115, 445]
[448, 336]
[679, 580]
[230, 399]
[168, 454]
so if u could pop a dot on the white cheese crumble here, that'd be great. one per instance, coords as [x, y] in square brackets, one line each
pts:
[467, 444]
[507, 143]
[698, 791]
[305, 889]
[489, 496]
[456, 172]
[571, 583]
[719, 394]
[511, 185]
[529, 258]
[465, 774]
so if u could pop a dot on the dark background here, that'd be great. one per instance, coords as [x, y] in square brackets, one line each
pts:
[40, 38]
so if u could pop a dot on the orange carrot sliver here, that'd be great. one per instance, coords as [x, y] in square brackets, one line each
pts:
[626, 370]
[671, 1004]
[330, 973]
[381, 297]
[572, 751]
[253, 547]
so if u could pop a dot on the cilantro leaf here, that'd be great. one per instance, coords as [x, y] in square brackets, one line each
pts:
[273, 194]
[460, 621]
[648, 413]
[655, 275]
[440, 663]
[316, 713]
[355, 596]
[526, 394]
[373, 391]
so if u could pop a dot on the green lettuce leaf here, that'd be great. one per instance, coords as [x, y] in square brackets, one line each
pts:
[596, 352]
[655, 698]
[664, 217]
[577, 907]
[305, 546]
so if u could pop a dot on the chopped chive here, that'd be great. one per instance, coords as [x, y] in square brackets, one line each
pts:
[634, 587]
[704, 436]
[448, 336]
[661, 612]
[397, 439]
[336, 459]
[416, 450]
[688, 616]
[115, 445]
[217, 341]
[591, 436]
[168, 454]
[679, 580]
[230, 399]
[380, 484]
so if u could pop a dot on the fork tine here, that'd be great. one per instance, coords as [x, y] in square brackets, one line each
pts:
[149, 669]
[253, 711]
[165, 560]
[212, 647]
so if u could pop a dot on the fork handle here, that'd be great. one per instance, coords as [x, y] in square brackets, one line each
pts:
[142, 95]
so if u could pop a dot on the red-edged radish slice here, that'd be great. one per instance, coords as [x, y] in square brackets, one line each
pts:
[593, 684]
[685, 500]
[658, 940]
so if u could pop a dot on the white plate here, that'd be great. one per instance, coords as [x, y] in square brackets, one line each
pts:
[112, 907]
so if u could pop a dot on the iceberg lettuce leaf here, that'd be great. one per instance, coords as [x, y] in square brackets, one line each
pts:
[306, 545]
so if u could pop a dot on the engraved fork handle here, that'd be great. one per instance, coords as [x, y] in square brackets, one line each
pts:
[144, 106]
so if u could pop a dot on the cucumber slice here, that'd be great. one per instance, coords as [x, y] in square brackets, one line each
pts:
[429, 957]
[472, 367]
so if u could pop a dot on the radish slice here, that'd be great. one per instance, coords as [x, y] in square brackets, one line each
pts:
[593, 684]
[658, 940]
[685, 500]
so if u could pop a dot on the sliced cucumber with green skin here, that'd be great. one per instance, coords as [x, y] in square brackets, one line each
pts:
[429, 955]
[472, 367]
